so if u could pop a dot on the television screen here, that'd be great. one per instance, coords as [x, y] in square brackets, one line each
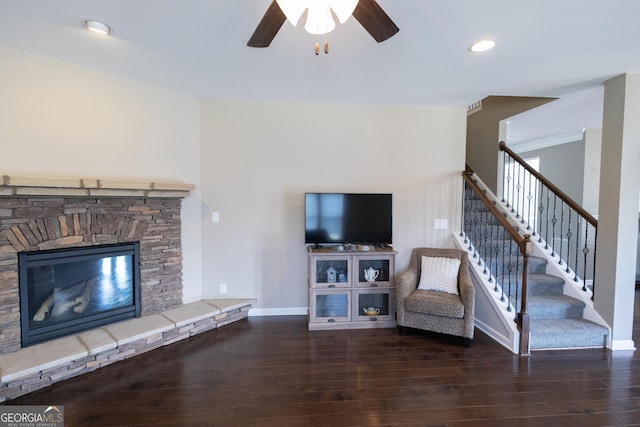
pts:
[341, 218]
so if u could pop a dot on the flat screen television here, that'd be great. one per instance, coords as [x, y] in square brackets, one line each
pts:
[348, 218]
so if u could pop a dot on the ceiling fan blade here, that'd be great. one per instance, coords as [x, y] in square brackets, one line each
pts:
[371, 16]
[268, 26]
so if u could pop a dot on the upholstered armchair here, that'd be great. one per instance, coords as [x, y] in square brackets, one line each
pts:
[441, 299]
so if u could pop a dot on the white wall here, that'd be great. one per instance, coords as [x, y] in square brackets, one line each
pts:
[592, 155]
[258, 160]
[57, 119]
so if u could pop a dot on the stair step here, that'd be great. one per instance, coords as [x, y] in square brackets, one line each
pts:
[545, 284]
[541, 307]
[537, 265]
[566, 333]
[539, 284]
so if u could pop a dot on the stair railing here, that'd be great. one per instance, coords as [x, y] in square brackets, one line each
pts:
[496, 246]
[565, 228]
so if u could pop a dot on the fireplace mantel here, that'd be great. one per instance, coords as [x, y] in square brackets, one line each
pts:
[25, 186]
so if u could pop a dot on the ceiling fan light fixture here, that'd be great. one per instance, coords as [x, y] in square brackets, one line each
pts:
[367, 13]
[482, 46]
[319, 17]
[97, 26]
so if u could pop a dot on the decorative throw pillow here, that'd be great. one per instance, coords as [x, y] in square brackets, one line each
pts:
[439, 274]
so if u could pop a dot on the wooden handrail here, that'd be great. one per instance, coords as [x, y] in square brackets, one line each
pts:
[568, 200]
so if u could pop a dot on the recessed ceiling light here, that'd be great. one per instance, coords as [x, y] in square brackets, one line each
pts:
[97, 26]
[482, 46]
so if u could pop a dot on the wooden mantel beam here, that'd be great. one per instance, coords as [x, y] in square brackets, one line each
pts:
[17, 186]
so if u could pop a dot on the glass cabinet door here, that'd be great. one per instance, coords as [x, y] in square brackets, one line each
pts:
[330, 272]
[330, 306]
[373, 304]
[374, 271]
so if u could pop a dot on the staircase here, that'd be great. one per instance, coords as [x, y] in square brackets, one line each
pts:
[556, 319]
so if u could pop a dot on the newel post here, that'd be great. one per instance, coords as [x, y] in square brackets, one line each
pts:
[524, 322]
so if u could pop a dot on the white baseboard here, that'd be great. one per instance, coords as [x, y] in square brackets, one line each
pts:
[621, 345]
[283, 311]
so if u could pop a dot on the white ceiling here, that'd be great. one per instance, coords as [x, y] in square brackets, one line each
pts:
[198, 47]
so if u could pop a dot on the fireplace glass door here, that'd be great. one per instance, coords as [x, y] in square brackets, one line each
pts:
[65, 291]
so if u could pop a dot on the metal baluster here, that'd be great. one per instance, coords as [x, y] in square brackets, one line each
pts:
[475, 233]
[534, 221]
[509, 269]
[504, 263]
[595, 254]
[469, 214]
[560, 234]
[513, 185]
[518, 187]
[484, 234]
[528, 209]
[576, 266]
[526, 200]
[469, 222]
[585, 251]
[546, 233]
[554, 220]
[492, 253]
[464, 207]
[540, 210]
[505, 179]
[569, 235]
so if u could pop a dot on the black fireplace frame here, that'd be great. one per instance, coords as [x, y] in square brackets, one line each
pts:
[28, 259]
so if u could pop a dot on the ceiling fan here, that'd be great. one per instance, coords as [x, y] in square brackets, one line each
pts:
[367, 12]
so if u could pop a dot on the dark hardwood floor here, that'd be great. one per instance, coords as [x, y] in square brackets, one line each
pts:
[272, 372]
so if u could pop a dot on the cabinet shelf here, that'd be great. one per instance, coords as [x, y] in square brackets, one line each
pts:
[351, 290]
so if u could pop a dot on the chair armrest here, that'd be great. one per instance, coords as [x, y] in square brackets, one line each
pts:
[467, 292]
[406, 282]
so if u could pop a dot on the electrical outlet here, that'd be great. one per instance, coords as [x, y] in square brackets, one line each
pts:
[215, 216]
[223, 288]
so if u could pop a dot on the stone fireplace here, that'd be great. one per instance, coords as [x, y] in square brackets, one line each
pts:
[54, 215]
[44, 214]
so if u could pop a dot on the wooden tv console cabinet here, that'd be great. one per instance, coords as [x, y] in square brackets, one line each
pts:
[351, 289]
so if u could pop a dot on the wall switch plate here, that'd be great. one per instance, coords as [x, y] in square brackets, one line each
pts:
[441, 224]
[215, 216]
[223, 288]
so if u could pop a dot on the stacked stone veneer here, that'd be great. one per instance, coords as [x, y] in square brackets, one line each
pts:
[36, 223]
